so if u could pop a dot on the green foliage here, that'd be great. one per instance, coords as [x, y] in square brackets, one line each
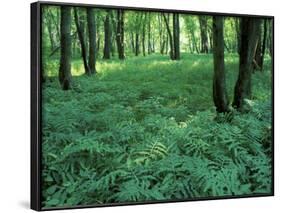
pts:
[140, 133]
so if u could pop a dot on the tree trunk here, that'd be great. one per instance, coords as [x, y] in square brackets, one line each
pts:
[149, 35]
[203, 33]
[249, 38]
[194, 42]
[257, 58]
[176, 32]
[264, 42]
[137, 46]
[161, 38]
[132, 41]
[238, 34]
[270, 36]
[172, 54]
[113, 33]
[51, 36]
[219, 87]
[120, 34]
[91, 19]
[107, 36]
[166, 45]
[210, 33]
[80, 27]
[65, 58]
[190, 46]
[143, 35]
[153, 45]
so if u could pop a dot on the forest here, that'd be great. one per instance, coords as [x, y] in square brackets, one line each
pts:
[144, 106]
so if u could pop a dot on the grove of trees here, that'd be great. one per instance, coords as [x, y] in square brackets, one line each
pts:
[130, 33]
[143, 106]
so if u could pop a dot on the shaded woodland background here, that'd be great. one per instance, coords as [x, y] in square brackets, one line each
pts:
[141, 106]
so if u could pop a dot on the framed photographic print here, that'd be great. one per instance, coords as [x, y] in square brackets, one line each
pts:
[140, 105]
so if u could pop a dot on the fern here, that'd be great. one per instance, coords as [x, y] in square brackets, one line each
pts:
[120, 145]
[152, 151]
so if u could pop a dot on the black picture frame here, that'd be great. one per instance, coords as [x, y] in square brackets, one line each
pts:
[36, 102]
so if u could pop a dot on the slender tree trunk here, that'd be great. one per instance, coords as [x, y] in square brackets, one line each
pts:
[219, 87]
[176, 32]
[137, 46]
[132, 42]
[91, 19]
[210, 33]
[120, 34]
[51, 36]
[226, 46]
[238, 34]
[249, 38]
[74, 46]
[165, 43]
[194, 41]
[203, 32]
[80, 27]
[264, 42]
[257, 58]
[149, 35]
[65, 59]
[153, 44]
[161, 39]
[107, 36]
[58, 21]
[270, 39]
[143, 34]
[190, 46]
[172, 54]
[113, 34]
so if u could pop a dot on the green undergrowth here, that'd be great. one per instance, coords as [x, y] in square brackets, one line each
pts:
[145, 129]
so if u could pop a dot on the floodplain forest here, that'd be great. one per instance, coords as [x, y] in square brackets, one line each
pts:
[148, 106]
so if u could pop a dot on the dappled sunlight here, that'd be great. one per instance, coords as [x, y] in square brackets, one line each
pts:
[157, 121]
[77, 69]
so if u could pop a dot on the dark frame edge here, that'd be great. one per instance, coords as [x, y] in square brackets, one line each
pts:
[35, 158]
[151, 9]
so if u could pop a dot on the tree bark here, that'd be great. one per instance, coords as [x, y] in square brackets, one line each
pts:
[143, 34]
[249, 38]
[51, 35]
[113, 33]
[257, 58]
[194, 42]
[80, 27]
[176, 32]
[132, 41]
[238, 35]
[107, 36]
[203, 33]
[219, 86]
[264, 42]
[137, 45]
[149, 35]
[91, 19]
[65, 58]
[120, 34]
[161, 37]
[210, 32]
[172, 53]
[270, 35]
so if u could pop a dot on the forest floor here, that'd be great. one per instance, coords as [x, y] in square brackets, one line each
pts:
[146, 129]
